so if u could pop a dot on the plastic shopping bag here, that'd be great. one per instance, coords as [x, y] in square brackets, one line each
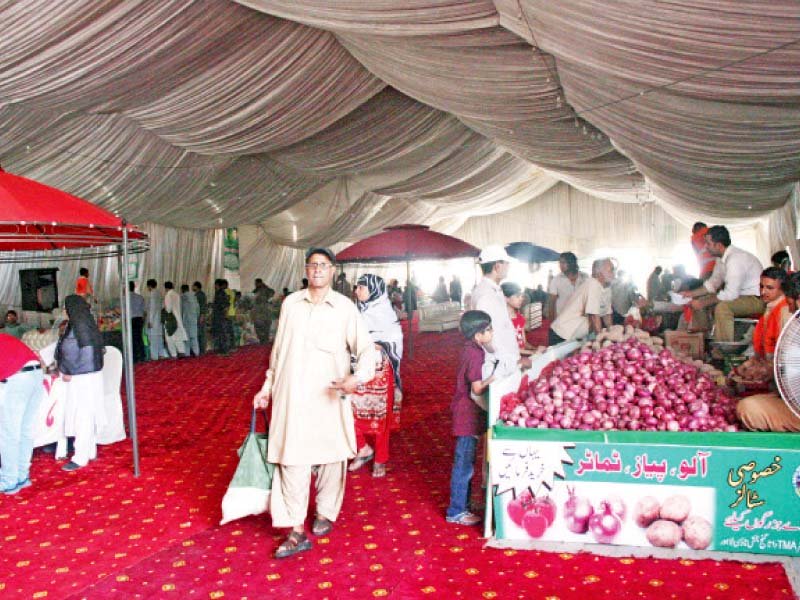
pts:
[248, 492]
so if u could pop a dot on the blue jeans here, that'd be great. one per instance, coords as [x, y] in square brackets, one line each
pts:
[461, 476]
[18, 410]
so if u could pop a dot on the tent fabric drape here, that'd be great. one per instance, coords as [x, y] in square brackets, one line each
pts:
[321, 122]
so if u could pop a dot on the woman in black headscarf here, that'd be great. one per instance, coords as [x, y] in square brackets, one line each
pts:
[80, 361]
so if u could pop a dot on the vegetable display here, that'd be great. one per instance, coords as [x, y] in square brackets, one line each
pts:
[625, 385]
[670, 522]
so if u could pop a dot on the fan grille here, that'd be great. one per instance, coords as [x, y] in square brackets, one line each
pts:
[787, 364]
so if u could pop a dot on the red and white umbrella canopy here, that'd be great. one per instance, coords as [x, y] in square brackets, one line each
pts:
[35, 217]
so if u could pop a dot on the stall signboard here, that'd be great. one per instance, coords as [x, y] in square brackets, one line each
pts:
[133, 267]
[736, 492]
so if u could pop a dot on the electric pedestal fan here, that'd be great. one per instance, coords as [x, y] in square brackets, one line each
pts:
[787, 364]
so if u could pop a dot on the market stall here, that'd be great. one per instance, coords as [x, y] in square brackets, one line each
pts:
[406, 243]
[593, 447]
[42, 224]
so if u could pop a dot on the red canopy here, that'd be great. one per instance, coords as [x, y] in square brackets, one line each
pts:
[403, 243]
[34, 216]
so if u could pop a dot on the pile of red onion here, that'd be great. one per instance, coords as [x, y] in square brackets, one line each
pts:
[626, 385]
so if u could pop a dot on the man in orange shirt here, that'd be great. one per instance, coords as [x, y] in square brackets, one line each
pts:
[705, 260]
[83, 287]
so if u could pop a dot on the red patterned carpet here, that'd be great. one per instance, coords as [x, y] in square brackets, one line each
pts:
[101, 533]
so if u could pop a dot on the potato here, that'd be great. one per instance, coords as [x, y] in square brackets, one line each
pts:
[697, 532]
[676, 508]
[664, 534]
[646, 511]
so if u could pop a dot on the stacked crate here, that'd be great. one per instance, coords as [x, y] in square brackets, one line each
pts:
[533, 315]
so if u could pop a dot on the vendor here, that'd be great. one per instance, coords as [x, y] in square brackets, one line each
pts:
[563, 286]
[13, 327]
[623, 297]
[733, 288]
[768, 412]
[588, 309]
[705, 260]
[503, 357]
[769, 326]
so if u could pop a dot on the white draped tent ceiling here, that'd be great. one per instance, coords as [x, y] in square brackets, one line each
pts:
[321, 121]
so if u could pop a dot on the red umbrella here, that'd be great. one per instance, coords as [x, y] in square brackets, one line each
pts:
[41, 223]
[38, 217]
[404, 243]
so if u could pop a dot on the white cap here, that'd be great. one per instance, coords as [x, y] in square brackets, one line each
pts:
[494, 253]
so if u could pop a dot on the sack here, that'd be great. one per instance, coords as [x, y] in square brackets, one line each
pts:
[248, 491]
[169, 321]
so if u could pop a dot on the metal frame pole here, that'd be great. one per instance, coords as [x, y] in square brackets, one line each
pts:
[127, 351]
[412, 302]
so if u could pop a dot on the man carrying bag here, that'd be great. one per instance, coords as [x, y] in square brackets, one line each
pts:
[249, 490]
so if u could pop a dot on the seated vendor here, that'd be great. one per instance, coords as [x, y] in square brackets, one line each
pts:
[588, 310]
[773, 286]
[13, 327]
[732, 290]
[768, 412]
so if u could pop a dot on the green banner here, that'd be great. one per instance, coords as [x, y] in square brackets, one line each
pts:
[230, 255]
[703, 491]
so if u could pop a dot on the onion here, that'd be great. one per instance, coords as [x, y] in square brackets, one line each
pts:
[577, 512]
[605, 525]
[617, 506]
[622, 386]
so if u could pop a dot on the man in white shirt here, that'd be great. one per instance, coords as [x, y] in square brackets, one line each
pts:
[488, 296]
[176, 338]
[588, 309]
[563, 285]
[733, 288]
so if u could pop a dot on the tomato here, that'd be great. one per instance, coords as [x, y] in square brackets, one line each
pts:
[535, 523]
[546, 508]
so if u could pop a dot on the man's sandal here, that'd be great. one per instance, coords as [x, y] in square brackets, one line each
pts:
[294, 543]
[321, 526]
[379, 470]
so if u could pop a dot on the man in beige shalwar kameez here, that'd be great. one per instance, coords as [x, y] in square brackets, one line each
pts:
[312, 421]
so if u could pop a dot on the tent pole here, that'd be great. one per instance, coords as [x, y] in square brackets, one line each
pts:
[127, 347]
[410, 311]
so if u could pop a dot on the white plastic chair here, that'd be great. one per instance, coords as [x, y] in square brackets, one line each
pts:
[114, 428]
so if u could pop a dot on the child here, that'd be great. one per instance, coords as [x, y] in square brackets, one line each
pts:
[469, 413]
[514, 298]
